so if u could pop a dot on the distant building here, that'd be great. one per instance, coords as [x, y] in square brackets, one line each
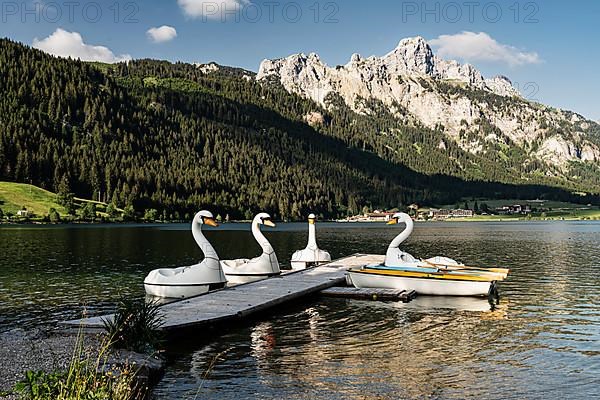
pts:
[435, 213]
[378, 215]
[23, 213]
[375, 216]
[460, 213]
[514, 209]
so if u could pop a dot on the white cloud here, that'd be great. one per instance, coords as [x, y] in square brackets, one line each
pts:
[211, 9]
[70, 44]
[471, 46]
[162, 34]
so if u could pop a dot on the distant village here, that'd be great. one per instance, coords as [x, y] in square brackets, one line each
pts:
[438, 214]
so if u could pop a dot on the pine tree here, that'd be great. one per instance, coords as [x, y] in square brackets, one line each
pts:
[53, 216]
[151, 215]
[129, 213]
[65, 197]
[88, 212]
[111, 211]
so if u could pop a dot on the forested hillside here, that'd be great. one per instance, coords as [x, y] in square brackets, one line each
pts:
[152, 134]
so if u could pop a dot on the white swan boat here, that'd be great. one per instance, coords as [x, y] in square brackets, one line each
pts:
[311, 255]
[193, 280]
[434, 276]
[264, 266]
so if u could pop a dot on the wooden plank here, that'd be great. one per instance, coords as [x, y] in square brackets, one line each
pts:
[245, 300]
[365, 293]
[408, 296]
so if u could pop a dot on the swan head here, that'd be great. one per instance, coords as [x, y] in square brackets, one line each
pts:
[263, 219]
[205, 217]
[398, 217]
[311, 218]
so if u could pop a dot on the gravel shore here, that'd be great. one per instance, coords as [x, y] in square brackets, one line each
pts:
[21, 351]
[36, 350]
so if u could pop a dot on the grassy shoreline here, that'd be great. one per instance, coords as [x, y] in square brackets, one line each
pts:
[476, 219]
[39, 203]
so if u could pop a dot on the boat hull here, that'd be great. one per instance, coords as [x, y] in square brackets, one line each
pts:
[307, 258]
[298, 265]
[180, 291]
[422, 285]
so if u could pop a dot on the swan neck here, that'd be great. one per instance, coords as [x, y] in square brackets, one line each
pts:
[203, 243]
[403, 235]
[261, 239]
[312, 236]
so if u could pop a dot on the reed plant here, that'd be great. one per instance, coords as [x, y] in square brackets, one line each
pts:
[135, 326]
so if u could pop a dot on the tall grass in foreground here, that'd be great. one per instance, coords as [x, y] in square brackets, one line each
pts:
[90, 376]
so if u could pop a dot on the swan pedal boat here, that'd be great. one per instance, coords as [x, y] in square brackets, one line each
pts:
[264, 266]
[311, 256]
[194, 280]
[439, 275]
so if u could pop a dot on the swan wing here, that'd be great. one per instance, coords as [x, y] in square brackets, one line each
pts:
[297, 256]
[235, 263]
[443, 260]
[256, 265]
[324, 255]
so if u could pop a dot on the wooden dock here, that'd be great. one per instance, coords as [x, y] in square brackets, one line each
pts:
[242, 301]
[370, 294]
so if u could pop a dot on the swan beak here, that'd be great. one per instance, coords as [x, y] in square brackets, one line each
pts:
[392, 221]
[268, 222]
[210, 222]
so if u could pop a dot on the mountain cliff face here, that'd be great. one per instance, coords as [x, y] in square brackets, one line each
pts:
[176, 137]
[421, 89]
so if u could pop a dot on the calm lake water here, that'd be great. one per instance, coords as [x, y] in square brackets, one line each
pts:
[543, 341]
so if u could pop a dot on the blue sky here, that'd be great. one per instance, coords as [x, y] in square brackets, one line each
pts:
[547, 48]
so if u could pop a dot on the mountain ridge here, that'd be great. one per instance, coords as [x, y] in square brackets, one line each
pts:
[420, 88]
[177, 136]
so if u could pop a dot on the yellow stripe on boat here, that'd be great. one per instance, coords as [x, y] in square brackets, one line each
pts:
[441, 275]
[452, 271]
[501, 271]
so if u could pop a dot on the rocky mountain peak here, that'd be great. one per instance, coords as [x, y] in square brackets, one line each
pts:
[412, 55]
[421, 88]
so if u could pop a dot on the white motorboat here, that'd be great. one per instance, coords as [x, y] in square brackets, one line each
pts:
[264, 266]
[310, 256]
[193, 280]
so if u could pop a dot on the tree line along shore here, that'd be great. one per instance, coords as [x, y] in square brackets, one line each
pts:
[24, 203]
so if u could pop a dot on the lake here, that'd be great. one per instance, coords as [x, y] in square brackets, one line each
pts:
[542, 341]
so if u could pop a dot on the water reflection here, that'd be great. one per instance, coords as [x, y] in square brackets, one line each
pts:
[473, 304]
[541, 342]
